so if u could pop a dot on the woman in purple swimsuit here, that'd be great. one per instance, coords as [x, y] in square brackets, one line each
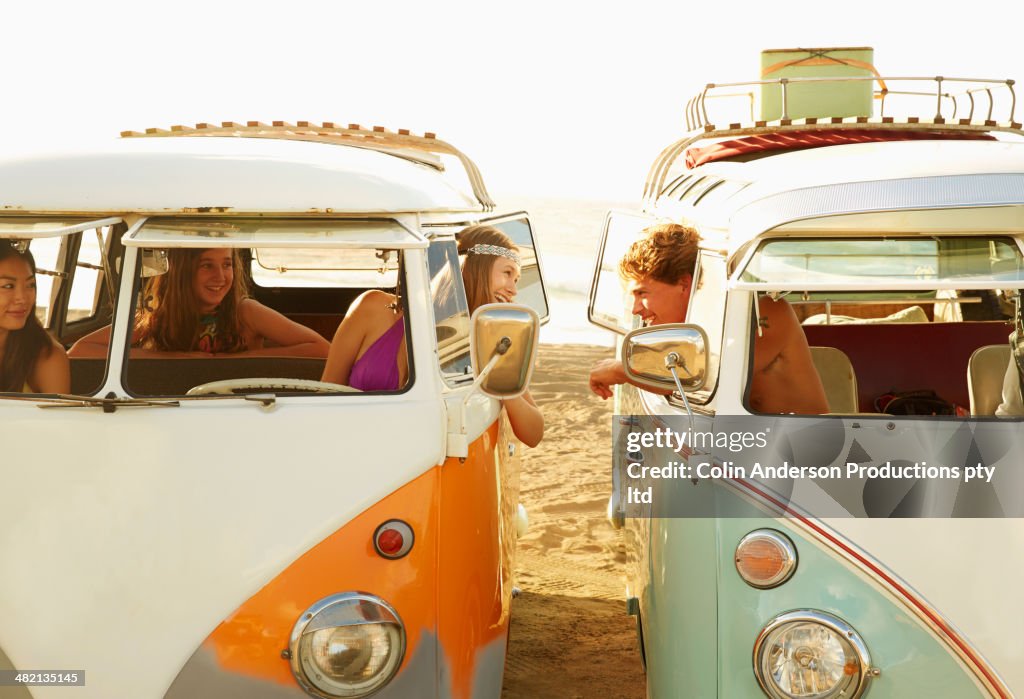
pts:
[369, 350]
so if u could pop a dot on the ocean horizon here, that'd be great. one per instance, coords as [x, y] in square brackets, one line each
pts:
[567, 233]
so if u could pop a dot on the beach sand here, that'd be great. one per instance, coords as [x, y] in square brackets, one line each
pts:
[570, 636]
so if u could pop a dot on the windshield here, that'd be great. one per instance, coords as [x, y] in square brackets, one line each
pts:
[920, 262]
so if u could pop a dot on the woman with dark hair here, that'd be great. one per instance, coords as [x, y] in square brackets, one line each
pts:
[30, 360]
[199, 307]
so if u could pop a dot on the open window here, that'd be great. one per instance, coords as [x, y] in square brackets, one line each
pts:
[76, 274]
[531, 290]
[307, 270]
[707, 310]
[451, 310]
[609, 306]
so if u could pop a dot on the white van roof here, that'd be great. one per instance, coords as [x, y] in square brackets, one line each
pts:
[192, 174]
[787, 188]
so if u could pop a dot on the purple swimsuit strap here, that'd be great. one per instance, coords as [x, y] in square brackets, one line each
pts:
[377, 369]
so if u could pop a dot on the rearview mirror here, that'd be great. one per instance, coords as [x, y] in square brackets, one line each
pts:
[648, 355]
[154, 262]
[505, 334]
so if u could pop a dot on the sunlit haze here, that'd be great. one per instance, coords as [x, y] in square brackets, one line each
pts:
[550, 98]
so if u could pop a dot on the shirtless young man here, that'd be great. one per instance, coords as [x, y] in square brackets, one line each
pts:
[658, 270]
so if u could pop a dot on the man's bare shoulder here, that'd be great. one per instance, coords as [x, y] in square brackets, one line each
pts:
[777, 313]
[778, 330]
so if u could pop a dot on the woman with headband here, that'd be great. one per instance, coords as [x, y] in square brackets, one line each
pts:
[490, 272]
[369, 352]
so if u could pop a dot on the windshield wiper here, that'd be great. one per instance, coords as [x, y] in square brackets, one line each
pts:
[109, 403]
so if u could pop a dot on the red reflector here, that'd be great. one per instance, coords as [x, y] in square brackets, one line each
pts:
[390, 541]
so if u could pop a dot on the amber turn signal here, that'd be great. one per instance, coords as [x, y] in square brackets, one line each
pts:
[765, 558]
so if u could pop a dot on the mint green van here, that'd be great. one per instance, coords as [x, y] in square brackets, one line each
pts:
[897, 240]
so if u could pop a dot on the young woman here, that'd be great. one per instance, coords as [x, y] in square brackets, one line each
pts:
[369, 352]
[200, 307]
[490, 272]
[30, 360]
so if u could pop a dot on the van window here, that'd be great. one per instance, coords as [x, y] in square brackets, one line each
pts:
[531, 287]
[883, 261]
[882, 341]
[46, 253]
[277, 267]
[707, 309]
[451, 310]
[609, 302]
[90, 294]
[317, 298]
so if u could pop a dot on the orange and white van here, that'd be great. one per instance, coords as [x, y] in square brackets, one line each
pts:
[231, 526]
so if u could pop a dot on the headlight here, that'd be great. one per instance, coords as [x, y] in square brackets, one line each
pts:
[347, 645]
[811, 655]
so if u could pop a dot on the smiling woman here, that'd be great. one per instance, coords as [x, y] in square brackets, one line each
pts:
[490, 271]
[201, 307]
[30, 361]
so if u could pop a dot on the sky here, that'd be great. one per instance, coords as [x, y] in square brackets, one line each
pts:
[555, 98]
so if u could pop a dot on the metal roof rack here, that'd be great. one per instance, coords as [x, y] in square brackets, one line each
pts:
[700, 127]
[401, 143]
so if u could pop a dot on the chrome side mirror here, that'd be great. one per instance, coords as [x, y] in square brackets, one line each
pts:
[650, 354]
[503, 348]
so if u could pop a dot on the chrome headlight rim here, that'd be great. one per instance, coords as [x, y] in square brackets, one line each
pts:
[841, 628]
[784, 543]
[352, 611]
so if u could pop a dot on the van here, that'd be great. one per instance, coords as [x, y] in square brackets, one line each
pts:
[896, 237]
[231, 525]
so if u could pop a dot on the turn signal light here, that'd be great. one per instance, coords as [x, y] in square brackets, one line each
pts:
[393, 539]
[765, 558]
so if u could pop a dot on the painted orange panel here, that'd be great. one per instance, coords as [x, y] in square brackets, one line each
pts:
[250, 641]
[477, 539]
[455, 583]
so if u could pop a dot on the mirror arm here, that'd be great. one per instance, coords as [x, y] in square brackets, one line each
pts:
[673, 360]
[503, 346]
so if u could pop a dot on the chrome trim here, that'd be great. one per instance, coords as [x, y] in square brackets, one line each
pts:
[833, 623]
[788, 549]
[343, 609]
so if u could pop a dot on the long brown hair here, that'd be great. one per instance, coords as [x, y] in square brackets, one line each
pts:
[26, 346]
[169, 319]
[476, 269]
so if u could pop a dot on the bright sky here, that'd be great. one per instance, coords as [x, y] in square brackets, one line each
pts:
[559, 98]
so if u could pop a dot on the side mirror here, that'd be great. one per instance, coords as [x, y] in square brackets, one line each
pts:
[503, 348]
[649, 353]
[154, 262]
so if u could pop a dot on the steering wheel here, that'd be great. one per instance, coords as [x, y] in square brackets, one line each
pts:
[229, 387]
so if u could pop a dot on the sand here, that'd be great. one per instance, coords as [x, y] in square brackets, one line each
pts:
[570, 636]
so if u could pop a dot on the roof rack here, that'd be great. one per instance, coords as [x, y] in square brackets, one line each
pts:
[700, 127]
[401, 143]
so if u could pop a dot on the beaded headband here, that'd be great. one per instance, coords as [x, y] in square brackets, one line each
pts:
[483, 249]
